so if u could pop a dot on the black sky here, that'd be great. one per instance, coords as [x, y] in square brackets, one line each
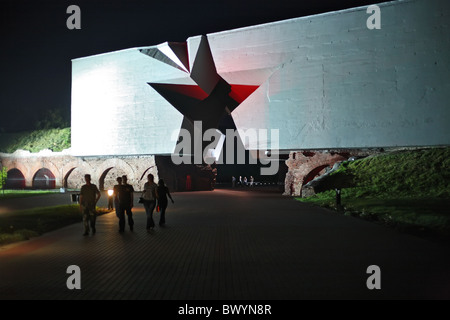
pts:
[37, 47]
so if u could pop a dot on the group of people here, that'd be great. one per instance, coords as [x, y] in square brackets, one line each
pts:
[123, 202]
[153, 196]
[242, 182]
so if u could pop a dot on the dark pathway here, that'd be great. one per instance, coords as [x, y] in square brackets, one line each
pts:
[45, 200]
[228, 245]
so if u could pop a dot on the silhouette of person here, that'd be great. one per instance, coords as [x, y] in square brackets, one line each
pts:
[126, 198]
[149, 195]
[252, 180]
[162, 193]
[89, 196]
[240, 181]
[116, 189]
[233, 181]
[245, 181]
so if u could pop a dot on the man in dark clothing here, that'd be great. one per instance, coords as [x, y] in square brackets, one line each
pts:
[89, 196]
[126, 198]
[163, 192]
[116, 190]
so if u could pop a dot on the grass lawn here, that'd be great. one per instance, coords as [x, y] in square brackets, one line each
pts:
[424, 216]
[408, 189]
[8, 194]
[22, 225]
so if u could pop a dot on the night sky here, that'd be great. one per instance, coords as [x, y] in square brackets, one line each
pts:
[37, 47]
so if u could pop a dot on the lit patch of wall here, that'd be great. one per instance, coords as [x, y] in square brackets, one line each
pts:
[330, 82]
[115, 111]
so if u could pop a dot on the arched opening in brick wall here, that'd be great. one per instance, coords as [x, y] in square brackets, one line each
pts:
[74, 179]
[66, 178]
[15, 179]
[144, 175]
[316, 172]
[44, 179]
[109, 176]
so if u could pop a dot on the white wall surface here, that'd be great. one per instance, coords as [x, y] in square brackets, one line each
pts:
[330, 82]
[115, 111]
[326, 81]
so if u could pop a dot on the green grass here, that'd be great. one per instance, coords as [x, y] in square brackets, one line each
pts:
[9, 194]
[408, 173]
[35, 141]
[408, 189]
[22, 225]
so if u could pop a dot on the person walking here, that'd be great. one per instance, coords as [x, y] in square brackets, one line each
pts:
[163, 192]
[149, 196]
[116, 191]
[126, 199]
[89, 196]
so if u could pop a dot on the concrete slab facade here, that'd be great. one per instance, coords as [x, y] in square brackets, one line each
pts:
[330, 82]
[324, 81]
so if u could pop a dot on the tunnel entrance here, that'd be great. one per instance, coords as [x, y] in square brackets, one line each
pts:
[109, 176]
[15, 180]
[44, 179]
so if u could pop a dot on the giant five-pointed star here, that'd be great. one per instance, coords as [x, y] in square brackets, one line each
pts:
[212, 98]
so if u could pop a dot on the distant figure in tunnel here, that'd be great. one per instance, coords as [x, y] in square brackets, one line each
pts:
[149, 196]
[89, 196]
[162, 193]
[126, 199]
[116, 190]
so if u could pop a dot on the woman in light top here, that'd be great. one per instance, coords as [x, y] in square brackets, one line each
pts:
[149, 195]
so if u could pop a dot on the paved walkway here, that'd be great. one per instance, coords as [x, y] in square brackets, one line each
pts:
[228, 245]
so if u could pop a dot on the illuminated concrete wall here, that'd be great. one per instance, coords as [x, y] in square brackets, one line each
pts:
[330, 82]
[324, 81]
[115, 111]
